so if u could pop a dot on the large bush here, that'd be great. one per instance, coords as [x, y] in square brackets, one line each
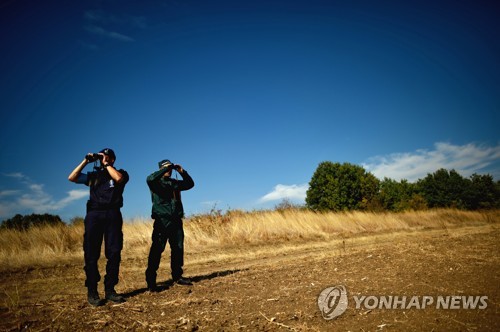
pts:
[337, 187]
[21, 222]
[396, 196]
[444, 188]
[449, 189]
[483, 193]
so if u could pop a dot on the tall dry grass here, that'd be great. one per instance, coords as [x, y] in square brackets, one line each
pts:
[293, 225]
[40, 246]
[52, 245]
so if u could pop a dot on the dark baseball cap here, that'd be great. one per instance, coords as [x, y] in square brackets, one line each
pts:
[108, 152]
[164, 163]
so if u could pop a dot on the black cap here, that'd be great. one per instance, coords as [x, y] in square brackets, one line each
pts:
[164, 163]
[108, 152]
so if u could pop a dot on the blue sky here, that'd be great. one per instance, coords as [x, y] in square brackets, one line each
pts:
[249, 96]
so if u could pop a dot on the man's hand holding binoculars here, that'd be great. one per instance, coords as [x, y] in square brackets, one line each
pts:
[171, 167]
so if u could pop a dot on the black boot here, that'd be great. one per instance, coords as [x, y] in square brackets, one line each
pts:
[152, 287]
[151, 281]
[112, 296]
[183, 281]
[93, 297]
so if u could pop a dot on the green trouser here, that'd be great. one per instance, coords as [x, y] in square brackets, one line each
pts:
[174, 234]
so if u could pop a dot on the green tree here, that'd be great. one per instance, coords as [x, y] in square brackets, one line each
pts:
[16, 222]
[337, 187]
[483, 192]
[417, 202]
[444, 189]
[20, 222]
[397, 196]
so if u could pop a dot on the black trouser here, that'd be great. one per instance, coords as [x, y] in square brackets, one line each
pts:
[174, 234]
[105, 224]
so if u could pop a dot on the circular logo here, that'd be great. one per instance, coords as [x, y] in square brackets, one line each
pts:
[332, 301]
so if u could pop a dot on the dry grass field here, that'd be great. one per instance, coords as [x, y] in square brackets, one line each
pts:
[264, 271]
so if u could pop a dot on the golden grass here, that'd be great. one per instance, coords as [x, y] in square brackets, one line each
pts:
[292, 225]
[53, 245]
[40, 245]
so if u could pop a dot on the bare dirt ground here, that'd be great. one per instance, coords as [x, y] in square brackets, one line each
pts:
[276, 287]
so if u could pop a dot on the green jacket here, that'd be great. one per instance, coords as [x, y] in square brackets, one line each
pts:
[166, 195]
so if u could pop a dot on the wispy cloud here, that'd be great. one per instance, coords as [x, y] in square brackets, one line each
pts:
[211, 203]
[109, 34]
[88, 46]
[108, 25]
[5, 193]
[465, 159]
[15, 175]
[281, 191]
[32, 198]
[102, 17]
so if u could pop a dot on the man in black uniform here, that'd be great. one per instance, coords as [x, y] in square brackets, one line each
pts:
[103, 220]
[167, 211]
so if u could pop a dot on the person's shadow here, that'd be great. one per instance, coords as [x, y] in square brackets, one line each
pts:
[162, 286]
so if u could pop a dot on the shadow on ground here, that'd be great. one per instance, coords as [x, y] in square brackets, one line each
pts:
[163, 286]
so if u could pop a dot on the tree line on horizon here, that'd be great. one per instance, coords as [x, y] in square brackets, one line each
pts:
[344, 187]
[21, 223]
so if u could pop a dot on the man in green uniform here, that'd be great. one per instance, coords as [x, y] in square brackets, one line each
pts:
[167, 212]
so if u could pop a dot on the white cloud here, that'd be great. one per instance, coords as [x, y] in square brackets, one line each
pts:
[5, 193]
[15, 175]
[73, 195]
[281, 191]
[211, 203]
[109, 34]
[106, 24]
[88, 46]
[107, 18]
[465, 159]
[33, 198]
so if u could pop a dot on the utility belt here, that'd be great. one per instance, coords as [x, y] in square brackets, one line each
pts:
[167, 224]
[93, 206]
